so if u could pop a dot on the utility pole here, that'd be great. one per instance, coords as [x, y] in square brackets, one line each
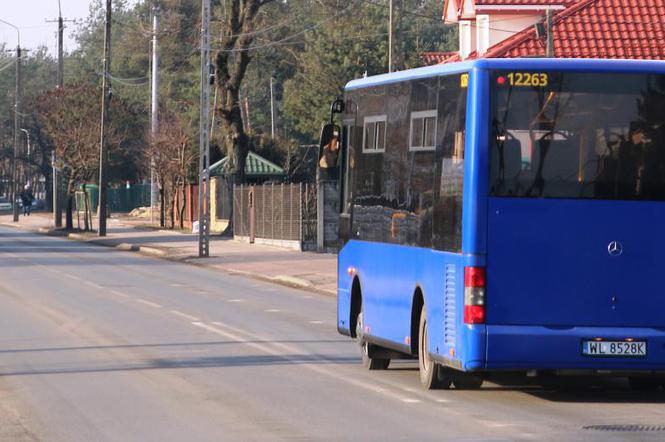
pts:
[55, 193]
[17, 109]
[272, 110]
[204, 139]
[390, 36]
[105, 113]
[57, 207]
[550, 35]
[17, 129]
[154, 105]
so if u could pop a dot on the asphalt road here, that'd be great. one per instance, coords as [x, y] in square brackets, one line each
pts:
[98, 345]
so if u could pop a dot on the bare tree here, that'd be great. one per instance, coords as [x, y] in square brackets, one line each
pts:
[71, 119]
[174, 157]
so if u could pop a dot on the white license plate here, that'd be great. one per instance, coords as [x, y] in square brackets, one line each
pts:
[614, 348]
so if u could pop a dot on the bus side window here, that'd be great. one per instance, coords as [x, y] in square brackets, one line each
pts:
[348, 165]
[449, 176]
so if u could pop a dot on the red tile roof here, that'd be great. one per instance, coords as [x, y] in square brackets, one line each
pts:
[430, 58]
[524, 2]
[633, 29]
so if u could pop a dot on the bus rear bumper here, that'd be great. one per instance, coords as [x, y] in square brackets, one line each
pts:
[555, 348]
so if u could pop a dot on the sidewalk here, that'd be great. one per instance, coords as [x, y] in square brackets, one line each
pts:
[311, 271]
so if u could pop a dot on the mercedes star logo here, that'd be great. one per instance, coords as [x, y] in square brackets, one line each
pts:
[615, 248]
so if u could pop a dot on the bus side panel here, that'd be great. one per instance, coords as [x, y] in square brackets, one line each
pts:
[344, 286]
[474, 235]
[474, 212]
[441, 277]
[387, 274]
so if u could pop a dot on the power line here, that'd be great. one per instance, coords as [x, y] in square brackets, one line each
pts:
[307, 29]
[135, 82]
[258, 31]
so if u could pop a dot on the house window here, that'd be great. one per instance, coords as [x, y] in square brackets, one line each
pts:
[374, 136]
[423, 130]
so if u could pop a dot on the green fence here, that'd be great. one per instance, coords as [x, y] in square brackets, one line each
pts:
[119, 199]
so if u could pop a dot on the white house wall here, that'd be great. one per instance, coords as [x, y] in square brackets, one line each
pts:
[505, 26]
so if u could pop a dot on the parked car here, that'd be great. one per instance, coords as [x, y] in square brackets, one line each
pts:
[5, 204]
[36, 204]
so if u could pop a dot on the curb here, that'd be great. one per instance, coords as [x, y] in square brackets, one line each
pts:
[283, 280]
[126, 247]
[154, 252]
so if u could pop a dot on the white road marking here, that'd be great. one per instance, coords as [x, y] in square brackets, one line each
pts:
[272, 310]
[151, 304]
[442, 401]
[498, 424]
[410, 401]
[316, 322]
[184, 315]
[92, 284]
[282, 350]
[176, 284]
[70, 276]
[117, 293]
[234, 300]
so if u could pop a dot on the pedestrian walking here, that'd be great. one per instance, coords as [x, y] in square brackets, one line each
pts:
[26, 199]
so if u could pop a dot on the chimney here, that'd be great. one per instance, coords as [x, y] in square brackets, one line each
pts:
[482, 33]
[465, 43]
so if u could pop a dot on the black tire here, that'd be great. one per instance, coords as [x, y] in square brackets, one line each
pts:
[645, 384]
[365, 348]
[466, 381]
[432, 375]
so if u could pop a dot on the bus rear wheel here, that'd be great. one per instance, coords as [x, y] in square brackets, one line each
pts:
[368, 361]
[432, 375]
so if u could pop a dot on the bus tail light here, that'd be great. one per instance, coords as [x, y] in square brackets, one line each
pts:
[474, 295]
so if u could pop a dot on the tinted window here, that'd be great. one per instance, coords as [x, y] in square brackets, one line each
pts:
[410, 192]
[578, 135]
[449, 163]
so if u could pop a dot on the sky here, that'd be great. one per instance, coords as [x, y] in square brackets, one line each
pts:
[30, 17]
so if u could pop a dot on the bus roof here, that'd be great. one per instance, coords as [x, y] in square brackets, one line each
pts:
[559, 64]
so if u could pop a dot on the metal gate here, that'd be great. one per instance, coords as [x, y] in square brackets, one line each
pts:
[280, 212]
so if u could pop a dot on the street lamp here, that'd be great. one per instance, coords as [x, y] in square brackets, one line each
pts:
[17, 111]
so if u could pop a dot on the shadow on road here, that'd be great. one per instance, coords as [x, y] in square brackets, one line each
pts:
[173, 344]
[591, 391]
[178, 363]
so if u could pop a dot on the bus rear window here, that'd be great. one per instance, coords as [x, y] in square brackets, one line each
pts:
[577, 135]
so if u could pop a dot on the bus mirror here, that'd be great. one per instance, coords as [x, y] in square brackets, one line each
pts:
[329, 146]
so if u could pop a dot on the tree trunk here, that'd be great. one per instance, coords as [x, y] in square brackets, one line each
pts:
[237, 147]
[86, 220]
[230, 72]
[69, 217]
[228, 201]
[181, 209]
[162, 209]
[48, 188]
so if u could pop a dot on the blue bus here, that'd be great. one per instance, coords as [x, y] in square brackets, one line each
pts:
[505, 215]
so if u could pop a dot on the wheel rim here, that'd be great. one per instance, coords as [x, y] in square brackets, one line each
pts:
[359, 334]
[423, 350]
